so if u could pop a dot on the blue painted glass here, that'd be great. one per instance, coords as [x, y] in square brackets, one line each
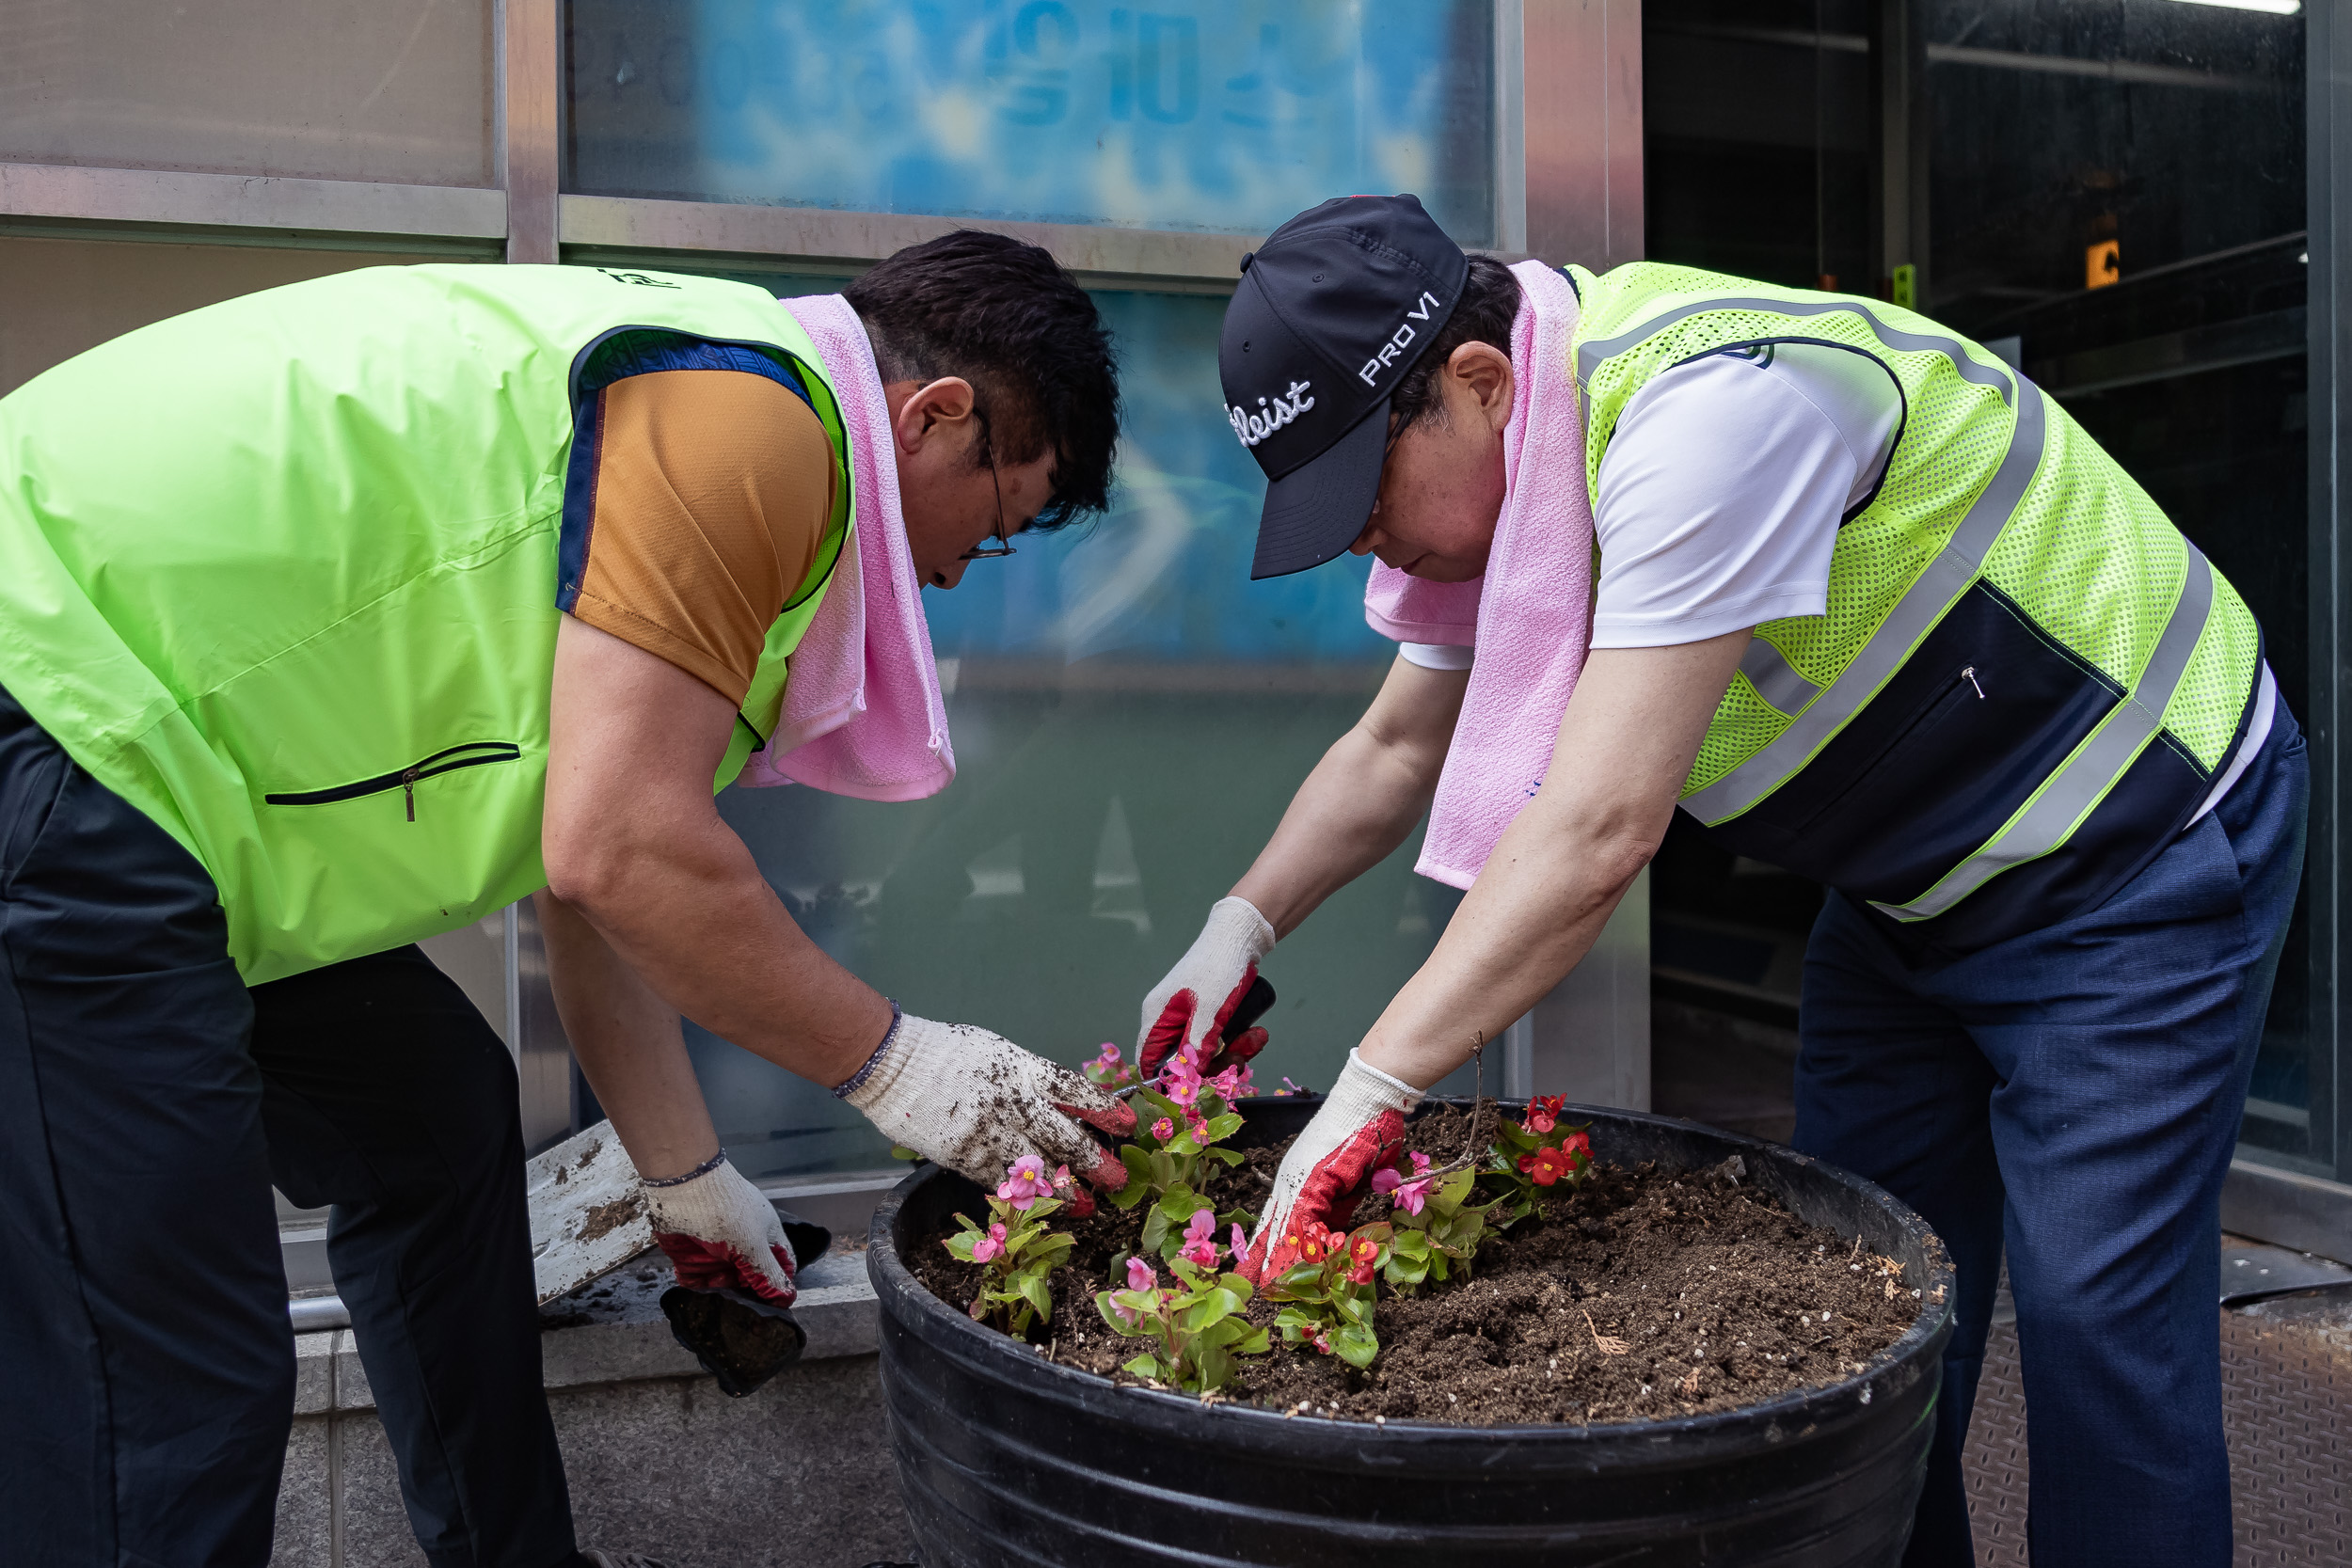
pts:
[1222, 116]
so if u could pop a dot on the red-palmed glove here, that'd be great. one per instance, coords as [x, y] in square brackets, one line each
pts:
[720, 1235]
[1190, 1006]
[976, 1102]
[1360, 1129]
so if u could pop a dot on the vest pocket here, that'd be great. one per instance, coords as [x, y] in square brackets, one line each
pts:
[474, 754]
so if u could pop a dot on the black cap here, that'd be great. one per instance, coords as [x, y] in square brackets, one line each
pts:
[1329, 312]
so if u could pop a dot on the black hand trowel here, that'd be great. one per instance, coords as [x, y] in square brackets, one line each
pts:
[740, 1339]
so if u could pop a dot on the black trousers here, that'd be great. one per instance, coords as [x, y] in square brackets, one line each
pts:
[147, 1101]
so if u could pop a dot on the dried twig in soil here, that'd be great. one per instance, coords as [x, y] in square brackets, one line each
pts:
[1609, 1344]
[1691, 1384]
[1474, 1146]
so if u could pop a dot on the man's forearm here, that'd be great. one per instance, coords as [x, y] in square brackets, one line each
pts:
[683, 904]
[1362, 799]
[627, 1042]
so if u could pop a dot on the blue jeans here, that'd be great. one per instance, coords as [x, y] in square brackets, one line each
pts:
[2073, 1095]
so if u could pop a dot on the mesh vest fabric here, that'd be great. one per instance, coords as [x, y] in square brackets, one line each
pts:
[1995, 503]
[282, 573]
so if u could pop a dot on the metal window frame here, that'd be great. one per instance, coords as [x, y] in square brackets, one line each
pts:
[1568, 180]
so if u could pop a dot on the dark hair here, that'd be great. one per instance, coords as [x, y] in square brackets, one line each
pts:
[1483, 314]
[1005, 317]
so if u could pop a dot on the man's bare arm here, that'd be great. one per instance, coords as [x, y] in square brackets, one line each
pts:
[1363, 799]
[628, 1042]
[634, 844]
[1626, 745]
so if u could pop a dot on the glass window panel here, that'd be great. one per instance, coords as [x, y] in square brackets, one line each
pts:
[71, 295]
[2136, 239]
[1131, 715]
[395, 90]
[1225, 115]
[2116, 201]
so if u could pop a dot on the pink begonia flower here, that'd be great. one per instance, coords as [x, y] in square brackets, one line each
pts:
[989, 1246]
[1061, 1179]
[1289, 1087]
[1182, 1082]
[1199, 1247]
[1410, 1195]
[1232, 1084]
[1141, 1276]
[1164, 1129]
[1025, 1182]
[1241, 1243]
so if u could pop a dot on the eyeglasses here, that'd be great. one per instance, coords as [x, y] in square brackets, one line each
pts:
[1004, 543]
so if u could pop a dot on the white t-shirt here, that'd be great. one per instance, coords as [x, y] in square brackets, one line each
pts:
[1721, 493]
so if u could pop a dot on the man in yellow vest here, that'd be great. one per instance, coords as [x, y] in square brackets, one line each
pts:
[345, 613]
[1859, 597]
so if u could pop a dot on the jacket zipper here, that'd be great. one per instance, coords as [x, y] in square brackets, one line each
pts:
[473, 754]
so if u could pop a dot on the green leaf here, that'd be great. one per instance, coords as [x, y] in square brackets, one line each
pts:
[1032, 1288]
[1053, 1249]
[1159, 1105]
[961, 1245]
[1215, 1305]
[1221, 1128]
[1237, 1285]
[1227, 1157]
[1216, 1369]
[1154, 1228]
[1179, 1203]
[1256, 1344]
[1356, 1345]
[1148, 1368]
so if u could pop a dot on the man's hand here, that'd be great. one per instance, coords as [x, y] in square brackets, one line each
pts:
[976, 1102]
[1360, 1129]
[1188, 1011]
[720, 1235]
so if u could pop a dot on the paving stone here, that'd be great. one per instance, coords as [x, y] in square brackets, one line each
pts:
[306, 1520]
[2286, 1370]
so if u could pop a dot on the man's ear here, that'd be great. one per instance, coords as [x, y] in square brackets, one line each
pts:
[947, 400]
[1482, 373]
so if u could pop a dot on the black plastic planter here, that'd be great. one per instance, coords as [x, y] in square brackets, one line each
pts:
[1006, 1459]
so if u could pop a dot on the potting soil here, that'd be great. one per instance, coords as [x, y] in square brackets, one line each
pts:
[1641, 1294]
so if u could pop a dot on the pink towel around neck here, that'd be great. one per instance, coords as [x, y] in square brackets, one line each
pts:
[1531, 616]
[862, 715]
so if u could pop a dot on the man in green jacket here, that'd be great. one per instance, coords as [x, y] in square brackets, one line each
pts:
[343, 614]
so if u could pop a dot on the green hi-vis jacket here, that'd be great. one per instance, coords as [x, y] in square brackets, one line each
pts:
[2026, 679]
[282, 573]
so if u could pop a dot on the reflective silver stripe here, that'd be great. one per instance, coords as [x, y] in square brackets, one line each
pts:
[2067, 795]
[1589, 356]
[1922, 605]
[1775, 680]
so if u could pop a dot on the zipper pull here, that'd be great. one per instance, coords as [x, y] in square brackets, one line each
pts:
[408, 787]
[1968, 674]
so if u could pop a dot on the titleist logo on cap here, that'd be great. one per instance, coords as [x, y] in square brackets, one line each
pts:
[1254, 428]
[1398, 341]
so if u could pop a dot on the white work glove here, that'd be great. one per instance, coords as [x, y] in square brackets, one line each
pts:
[720, 1235]
[1360, 1129]
[976, 1102]
[1187, 1011]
